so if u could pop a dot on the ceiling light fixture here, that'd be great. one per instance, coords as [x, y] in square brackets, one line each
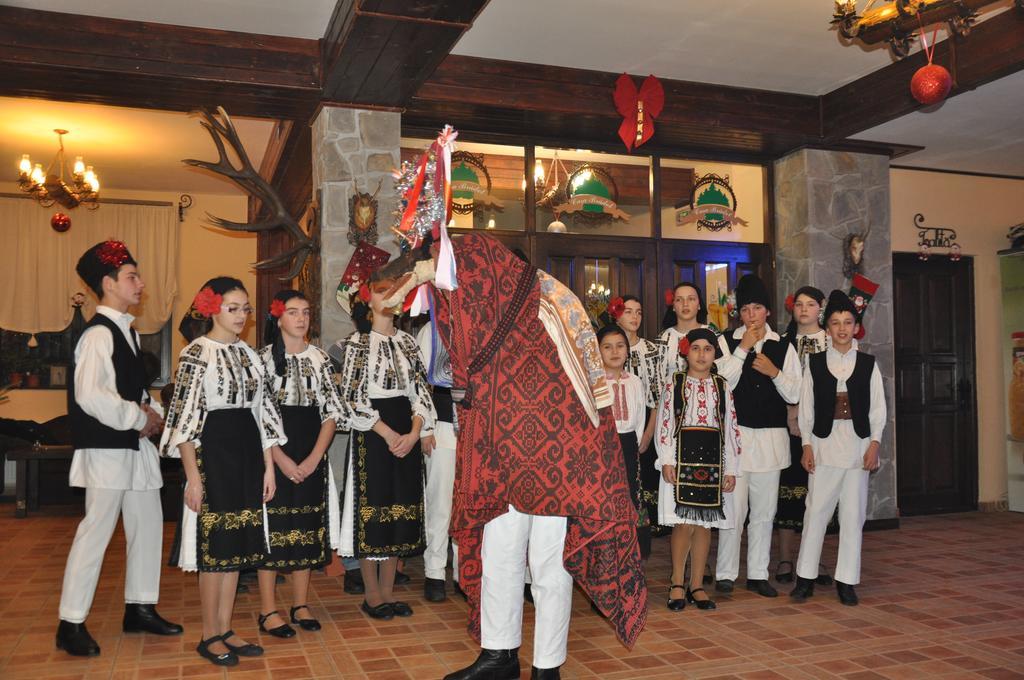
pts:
[50, 189]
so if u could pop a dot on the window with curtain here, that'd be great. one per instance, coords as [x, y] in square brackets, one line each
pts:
[43, 302]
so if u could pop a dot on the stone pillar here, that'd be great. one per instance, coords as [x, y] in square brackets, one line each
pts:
[354, 151]
[820, 198]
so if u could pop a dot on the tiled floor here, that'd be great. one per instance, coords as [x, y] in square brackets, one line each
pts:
[942, 597]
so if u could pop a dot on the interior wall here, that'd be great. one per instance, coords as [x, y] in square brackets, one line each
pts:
[981, 210]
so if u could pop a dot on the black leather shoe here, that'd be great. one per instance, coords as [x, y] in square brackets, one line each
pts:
[678, 604]
[459, 591]
[434, 590]
[142, 618]
[847, 594]
[803, 590]
[248, 649]
[784, 576]
[354, 583]
[724, 586]
[401, 579]
[74, 639]
[700, 604]
[283, 631]
[384, 612]
[761, 587]
[528, 593]
[545, 673]
[400, 609]
[492, 664]
[228, 658]
[304, 624]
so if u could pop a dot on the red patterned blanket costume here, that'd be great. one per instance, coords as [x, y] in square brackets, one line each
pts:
[525, 438]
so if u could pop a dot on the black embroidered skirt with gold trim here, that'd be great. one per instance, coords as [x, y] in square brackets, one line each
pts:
[388, 493]
[230, 532]
[297, 514]
[699, 460]
[632, 461]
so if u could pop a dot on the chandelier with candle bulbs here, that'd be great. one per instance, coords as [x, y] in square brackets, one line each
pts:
[55, 186]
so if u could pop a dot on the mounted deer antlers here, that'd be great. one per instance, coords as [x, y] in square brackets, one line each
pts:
[250, 181]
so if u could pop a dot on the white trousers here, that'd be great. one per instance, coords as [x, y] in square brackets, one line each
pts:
[143, 530]
[437, 504]
[504, 552]
[828, 486]
[758, 492]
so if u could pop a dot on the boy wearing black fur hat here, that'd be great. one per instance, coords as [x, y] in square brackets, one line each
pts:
[111, 420]
[842, 416]
[764, 374]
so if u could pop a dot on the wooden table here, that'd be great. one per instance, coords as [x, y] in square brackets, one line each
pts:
[27, 484]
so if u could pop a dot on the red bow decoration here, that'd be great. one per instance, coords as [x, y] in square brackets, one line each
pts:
[684, 346]
[276, 309]
[638, 109]
[616, 307]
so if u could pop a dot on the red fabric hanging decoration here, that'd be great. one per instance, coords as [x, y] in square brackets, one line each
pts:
[638, 109]
[931, 83]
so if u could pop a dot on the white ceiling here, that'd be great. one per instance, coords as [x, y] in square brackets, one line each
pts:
[786, 46]
[132, 149]
[298, 19]
[979, 131]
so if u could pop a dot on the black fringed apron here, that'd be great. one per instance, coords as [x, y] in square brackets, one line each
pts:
[388, 493]
[631, 458]
[229, 527]
[700, 459]
[297, 514]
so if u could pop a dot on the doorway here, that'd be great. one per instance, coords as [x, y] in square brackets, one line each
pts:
[936, 413]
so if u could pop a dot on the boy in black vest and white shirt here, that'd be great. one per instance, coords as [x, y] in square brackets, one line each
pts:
[763, 372]
[111, 420]
[842, 416]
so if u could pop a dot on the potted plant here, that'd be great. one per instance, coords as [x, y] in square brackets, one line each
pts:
[12, 366]
[33, 367]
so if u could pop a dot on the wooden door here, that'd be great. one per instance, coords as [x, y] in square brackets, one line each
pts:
[625, 265]
[936, 418]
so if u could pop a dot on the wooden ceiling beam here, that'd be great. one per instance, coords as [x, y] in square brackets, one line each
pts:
[71, 57]
[994, 48]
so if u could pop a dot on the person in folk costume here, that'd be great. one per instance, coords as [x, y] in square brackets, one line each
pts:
[629, 399]
[698, 443]
[224, 425]
[440, 467]
[387, 404]
[806, 335]
[111, 422]
[643, 362]
[767, 372]
[687, 312]
[304, 510]
[539, 465]
[842, 417]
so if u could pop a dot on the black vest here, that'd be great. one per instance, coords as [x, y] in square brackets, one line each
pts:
[443, 404]
[858, 387]
[758, 404]
[86, 431]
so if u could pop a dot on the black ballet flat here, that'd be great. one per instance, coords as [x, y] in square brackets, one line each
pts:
[700, 604]
[283, 631]
[305, 624]
[781, 576]
[384, 612]
[679, 604]
[400, 609]
[227, 659]
[248, 649]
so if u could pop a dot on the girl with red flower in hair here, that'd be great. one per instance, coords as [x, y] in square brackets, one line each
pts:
[224, 425]
[304, 510]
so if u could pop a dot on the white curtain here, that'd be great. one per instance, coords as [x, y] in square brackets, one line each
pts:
[38, 279]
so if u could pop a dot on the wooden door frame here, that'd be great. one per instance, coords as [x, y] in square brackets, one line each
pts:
[970, 369]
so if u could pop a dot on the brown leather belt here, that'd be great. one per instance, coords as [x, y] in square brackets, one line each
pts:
[842, 411]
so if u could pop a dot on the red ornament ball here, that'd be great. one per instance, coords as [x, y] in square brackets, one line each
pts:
[60, 222]
[931, 84]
